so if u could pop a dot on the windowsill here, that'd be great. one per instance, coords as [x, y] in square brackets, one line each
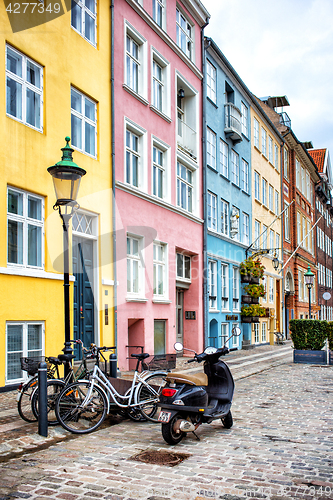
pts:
[136, 299]
[257, 148]
[257, 201]
[40, 130]
[84, 38]
[94, 157]
[245, 137]
[135, 94]
[214, 310]
[224, 177]
[160, 113]
[212, 102]
[161, 301]
[212, 168]
[238, 187]
[245, 192]
[33, 273]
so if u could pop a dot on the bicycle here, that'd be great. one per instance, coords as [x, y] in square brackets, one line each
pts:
[27, 398]
[82, 406]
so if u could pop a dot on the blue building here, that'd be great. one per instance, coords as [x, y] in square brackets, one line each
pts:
[227, 195]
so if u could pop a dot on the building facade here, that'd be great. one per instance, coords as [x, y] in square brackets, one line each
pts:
[228, 205]
[55, 85]
[158, 110]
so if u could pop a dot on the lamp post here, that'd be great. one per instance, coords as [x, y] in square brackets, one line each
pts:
[66, 180]
[309, 277]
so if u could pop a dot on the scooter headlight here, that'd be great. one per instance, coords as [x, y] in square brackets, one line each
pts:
[178, 402]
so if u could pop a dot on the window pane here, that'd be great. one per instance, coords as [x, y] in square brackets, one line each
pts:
[89, 109]
[33, 74]
[15, 202]
[34, 208]
[76, 132]
[14, 62]
[15, 242]
[34, 338]
[14, 98]
[14, 366]
[187, 267]
[135, 276]
[135, 248]
[34, 245]
[89, 24]
[90, 4]
[76, 16]
[14, 338]
[180, 259]
[89, 139]
[75, 101]
[33, 109]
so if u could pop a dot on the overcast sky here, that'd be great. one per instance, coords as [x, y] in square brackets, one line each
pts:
[282, 47]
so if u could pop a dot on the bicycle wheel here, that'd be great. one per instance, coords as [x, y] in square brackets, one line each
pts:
[24, 400]
[54, 388]
[75, 417]
[150, 391]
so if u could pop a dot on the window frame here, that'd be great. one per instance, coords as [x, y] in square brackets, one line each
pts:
[141, 154]
[224, 154]
[25, 86]
[244, 118]
[264, 191]
[164, 82]
[211, 81]
[162, 16]
[92, 15]
[211, 148]
[160, 265]
[142, 86]
[225, 214]
[264, 142]
[131, 258]
[225, 287]
[256, 133]
[84, 120]
[235, 168]
[185, 258]
[211, 211]
[256, 185]
[245, 228]
[245, 176]
[212, 284]
[189, 38]
[235, 289]
[190, 185]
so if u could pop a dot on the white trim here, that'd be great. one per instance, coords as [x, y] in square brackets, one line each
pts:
[107, 282]
[33, 273]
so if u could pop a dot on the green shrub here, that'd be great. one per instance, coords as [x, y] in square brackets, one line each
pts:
[308, 334]
[330, 334]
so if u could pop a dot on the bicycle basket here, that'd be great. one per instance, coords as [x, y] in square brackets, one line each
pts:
[160, 362]
[31, 365]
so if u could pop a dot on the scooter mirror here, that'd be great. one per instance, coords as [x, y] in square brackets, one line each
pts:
[236, 331]
[178, 346]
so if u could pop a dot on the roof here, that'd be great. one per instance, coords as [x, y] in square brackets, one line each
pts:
[318, 156]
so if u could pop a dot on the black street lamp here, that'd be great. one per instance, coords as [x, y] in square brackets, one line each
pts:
[309, 278]
[276, 262]
[66, 179]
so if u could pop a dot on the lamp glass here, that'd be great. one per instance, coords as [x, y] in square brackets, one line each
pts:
[66, 185]
[309, 277]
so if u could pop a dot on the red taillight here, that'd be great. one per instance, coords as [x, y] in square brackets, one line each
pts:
[168, 392]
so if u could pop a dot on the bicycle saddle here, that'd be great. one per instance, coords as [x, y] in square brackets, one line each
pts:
[142, 355]
[66, 357]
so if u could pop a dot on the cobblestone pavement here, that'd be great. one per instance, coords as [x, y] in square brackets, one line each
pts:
[280, 447]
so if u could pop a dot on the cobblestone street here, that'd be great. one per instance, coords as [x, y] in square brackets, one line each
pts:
[280, 447]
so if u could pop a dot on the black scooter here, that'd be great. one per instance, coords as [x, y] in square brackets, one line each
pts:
[189, 400]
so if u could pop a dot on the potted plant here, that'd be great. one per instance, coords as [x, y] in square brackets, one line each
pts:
[251, 271]
[252, 313]
[309, 337]
[253, 292]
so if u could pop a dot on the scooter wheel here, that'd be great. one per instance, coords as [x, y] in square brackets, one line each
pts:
[227, 421]
[168, 433]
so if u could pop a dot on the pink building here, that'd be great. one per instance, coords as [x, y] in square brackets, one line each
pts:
[158, 166]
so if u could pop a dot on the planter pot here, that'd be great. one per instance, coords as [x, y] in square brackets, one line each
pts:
[247, 299]
[245, 278]
[310, 357]
[255, 300]
[255, 319]
[254, 281]
[246, 319]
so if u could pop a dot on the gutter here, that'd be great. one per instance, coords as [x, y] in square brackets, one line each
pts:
[114, 251]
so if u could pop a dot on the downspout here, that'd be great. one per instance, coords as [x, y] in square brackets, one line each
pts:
[114, 252]
[284, 329]
[204, 187]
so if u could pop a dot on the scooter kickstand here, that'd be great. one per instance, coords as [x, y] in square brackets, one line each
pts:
[196, 435]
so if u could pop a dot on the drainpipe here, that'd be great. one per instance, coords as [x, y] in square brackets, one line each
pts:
[114, 252]
[284, 329]
[204, 187]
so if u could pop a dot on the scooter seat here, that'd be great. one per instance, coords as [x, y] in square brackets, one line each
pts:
[184, 378]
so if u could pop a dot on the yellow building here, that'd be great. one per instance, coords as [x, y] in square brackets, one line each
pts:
[56, 81]
[266, 229]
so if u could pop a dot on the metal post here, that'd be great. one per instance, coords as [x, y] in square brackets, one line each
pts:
[113, 365]
[42, 399]
[68, 347]
[309, 302]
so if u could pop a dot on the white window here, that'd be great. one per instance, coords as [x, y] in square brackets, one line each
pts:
[264, 192]
[256, 333]
[157, 86]
[211, 209]
[212, 271]
[211, 81]
[271, 198]
[135, 62]
[234, 339]
[285, 164]
[224, 217]
[235, 288]
[235, 167]
[300, 286]
[256, 234]
[276, 157]
[298, 175]
[25, 229]
[245, 176]
[159, 180]
[271, 290]
[24, 339]
[83, 123]
[183, 265]
[299, 228]
[271, 241]
[160, 275]
[256, 186]
[263, 141]
[134, 266]
[270, 149]
[246, 229]
[225, 286]
[160, 99]
[224, 333]
[277, 245]
[277, 205]
[223, 158]
[263, 331]
[159, 12]
[135, 145]
[244, 112]
[83, 19]
[185, 33]
[184, 187]
[24, 89]
[256, 132]
[211, 148]
[286, 222]
[264, 236]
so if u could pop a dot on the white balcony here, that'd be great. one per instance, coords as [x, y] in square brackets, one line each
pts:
[187, 139]
[233, 122]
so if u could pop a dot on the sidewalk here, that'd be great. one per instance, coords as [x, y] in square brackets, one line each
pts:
[18, 437]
